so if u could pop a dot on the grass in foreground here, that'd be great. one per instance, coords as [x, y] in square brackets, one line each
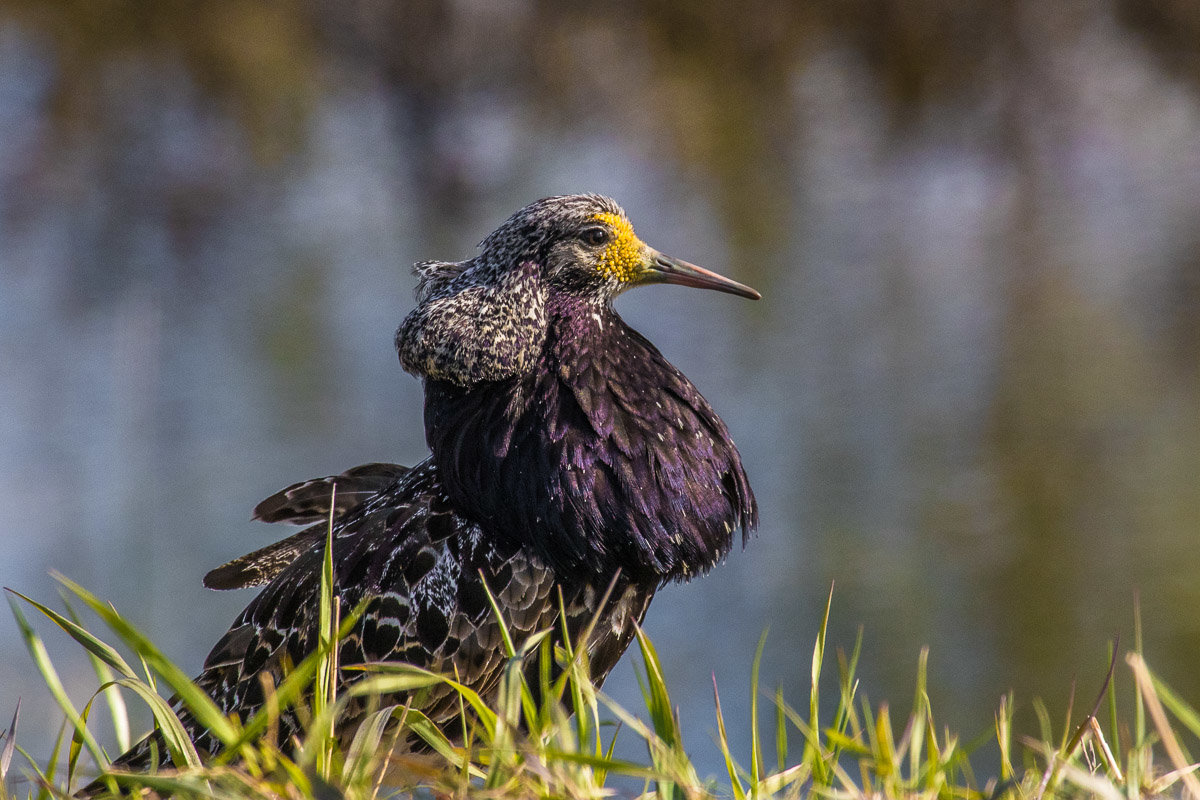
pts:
[562, 744]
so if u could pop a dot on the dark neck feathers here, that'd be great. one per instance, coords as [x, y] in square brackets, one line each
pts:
[603, 456]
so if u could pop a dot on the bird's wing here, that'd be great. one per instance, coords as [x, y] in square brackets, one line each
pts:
[419, 571]
[306, 502]
[255, 569]
[422, 574]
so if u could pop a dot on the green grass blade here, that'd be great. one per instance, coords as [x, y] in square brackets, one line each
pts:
[386, 677]
[508, 718]
[658, 703]
[670, 760]
[106, 653]
[171, 785]
[509, 649]
[917, 739]
[1179, 707]
[781, 737]
[604, 763]
[421, 725]
[846, 717]
[179, 744]
[41, 659]
[1004, 736]
[545, 661]
[1114, 730]
[607, 754]
[818, 658]
[1139, 707]
[521, 687]
[9, 738]
[883, 745]
[117, 711]
[793, 776]
[739, 791]
[192, 696]
[325, 693]
[102, 656]
[76, 747]
[365, 745]
[1046, 730]
[47, 779]
[812, 749]
[389, 678]
[756, 760]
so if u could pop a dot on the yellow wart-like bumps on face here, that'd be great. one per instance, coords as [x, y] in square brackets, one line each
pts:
[624, 256]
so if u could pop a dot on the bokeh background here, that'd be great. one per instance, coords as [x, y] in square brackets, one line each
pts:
[970, 394]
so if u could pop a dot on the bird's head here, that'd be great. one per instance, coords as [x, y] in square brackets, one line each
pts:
[485, 319]
[586, 246]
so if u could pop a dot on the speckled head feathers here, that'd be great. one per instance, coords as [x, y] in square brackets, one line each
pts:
[485, 319]
[528, 232]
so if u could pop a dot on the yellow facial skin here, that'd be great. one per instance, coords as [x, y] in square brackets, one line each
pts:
[625, 257]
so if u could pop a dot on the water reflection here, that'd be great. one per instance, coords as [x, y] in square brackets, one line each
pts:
[969, 396]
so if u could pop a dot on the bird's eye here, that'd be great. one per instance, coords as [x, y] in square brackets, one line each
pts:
[595, 236]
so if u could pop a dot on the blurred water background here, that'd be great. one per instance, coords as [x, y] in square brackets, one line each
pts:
[970, 395]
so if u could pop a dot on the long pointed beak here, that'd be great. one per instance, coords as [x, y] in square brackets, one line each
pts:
[664, 269]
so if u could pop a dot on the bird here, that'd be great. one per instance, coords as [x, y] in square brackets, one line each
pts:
[572, 470]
